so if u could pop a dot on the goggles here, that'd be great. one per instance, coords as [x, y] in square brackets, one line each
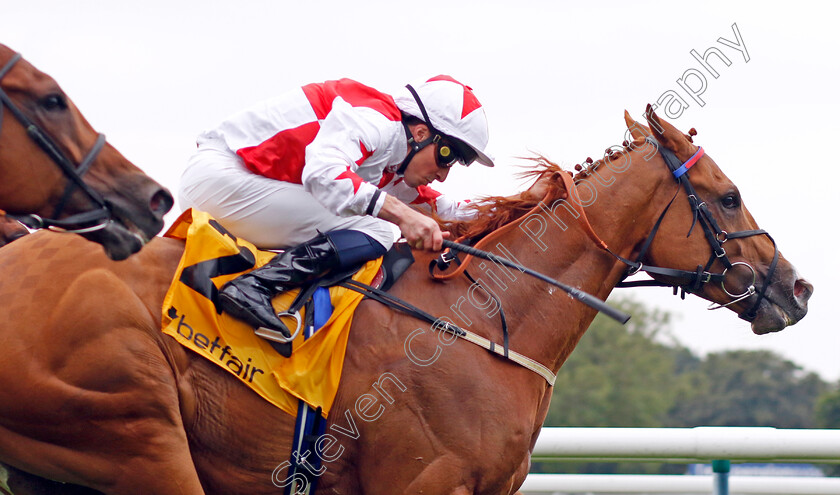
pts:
[450, 151]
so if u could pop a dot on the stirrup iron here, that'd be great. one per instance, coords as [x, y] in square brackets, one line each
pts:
[276, 336]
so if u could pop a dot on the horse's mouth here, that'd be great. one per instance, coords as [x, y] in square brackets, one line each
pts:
[118, 240]
[121, 237]
[770, 320]
[129, 230]
[782, 308]
[135, 233]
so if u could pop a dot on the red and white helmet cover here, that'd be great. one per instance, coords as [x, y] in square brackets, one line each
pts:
[453, 110]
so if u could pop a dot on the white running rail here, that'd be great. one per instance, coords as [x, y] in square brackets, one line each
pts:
[673, 484]
[685, 445]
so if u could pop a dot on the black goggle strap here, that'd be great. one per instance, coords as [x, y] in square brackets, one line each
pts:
[422, 108]
[415, 148]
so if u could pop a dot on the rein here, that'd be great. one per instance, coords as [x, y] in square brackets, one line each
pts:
[443, 262]
[715, 236]
[442, 325]
[89, 221]
[575, 293]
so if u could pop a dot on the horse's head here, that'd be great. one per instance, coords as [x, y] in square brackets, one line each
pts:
[55, 168]
[748, 274]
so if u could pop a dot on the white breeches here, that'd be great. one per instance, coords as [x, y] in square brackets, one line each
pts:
[270, 213]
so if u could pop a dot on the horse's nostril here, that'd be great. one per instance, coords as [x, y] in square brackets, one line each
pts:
[802, 290]
[161, 202]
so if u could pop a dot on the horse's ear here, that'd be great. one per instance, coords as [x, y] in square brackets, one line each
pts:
[668, 135]
[637, 130]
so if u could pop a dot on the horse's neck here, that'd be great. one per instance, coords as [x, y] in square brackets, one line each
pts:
[622, 208]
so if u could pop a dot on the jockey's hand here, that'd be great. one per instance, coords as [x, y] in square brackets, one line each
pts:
[421, 231]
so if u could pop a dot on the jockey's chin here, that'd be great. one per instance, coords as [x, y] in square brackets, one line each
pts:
[415, 181]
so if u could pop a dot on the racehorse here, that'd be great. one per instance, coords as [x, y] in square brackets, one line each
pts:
[95, 395]
[57, 172]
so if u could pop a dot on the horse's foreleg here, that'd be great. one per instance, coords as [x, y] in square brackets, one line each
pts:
[160, 469]
[141, 414]
[105, 412]
[445, 474]
[519, 476]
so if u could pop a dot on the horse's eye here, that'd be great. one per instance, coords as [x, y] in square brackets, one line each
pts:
[54, 102]
[731, 201]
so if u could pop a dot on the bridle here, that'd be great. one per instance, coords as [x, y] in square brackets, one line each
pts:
[89, 221]
[694, 281]
[715, 236]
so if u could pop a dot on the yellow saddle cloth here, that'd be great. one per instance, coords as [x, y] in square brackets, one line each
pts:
[211, 258]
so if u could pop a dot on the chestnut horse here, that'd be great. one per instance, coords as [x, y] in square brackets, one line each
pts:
[95, 395]
[57, 172]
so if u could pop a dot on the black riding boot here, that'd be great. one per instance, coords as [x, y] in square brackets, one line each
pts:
[248, 297]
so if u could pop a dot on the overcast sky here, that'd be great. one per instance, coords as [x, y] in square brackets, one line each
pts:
[554, 77]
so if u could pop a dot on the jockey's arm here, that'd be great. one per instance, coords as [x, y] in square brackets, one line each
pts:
[330, 175]
[421, 231]
[348, 137]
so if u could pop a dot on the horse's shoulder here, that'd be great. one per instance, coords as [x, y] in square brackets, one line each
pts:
[165, 247]
[160, 256]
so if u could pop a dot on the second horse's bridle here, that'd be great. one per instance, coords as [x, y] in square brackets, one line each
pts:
[89, 221]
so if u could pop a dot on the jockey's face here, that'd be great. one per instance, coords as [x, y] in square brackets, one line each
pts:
[423, 167]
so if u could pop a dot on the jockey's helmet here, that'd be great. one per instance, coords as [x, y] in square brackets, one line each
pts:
[451, 109]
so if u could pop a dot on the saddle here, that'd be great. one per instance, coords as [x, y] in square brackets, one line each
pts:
[192, 316]
[315, 303]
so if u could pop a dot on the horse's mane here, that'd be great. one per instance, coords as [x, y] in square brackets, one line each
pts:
[496, 211]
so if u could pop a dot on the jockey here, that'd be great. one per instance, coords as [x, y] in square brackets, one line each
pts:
[327, 172]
